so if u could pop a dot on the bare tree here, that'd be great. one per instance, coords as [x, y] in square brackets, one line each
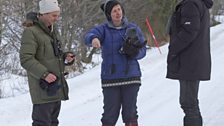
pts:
[1, 20]
[77, 17]
[217, 10]
[11, 16]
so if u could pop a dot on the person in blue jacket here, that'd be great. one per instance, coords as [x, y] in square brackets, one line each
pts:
[122, 45]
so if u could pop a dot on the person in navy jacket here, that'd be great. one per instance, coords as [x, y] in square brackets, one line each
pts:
[189, 58]
[122, 44]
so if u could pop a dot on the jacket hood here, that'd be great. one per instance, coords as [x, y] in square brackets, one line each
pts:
[124, 24]
[208, 3]
[31, 17]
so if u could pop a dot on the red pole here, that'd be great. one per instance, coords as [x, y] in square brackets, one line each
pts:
[153, 36]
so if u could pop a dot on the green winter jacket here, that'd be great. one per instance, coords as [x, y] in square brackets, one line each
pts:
[38, 58]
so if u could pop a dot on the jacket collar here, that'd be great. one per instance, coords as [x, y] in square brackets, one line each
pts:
[123, 26]
[208, 3]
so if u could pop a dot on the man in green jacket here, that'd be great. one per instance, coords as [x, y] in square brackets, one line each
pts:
[42, 57]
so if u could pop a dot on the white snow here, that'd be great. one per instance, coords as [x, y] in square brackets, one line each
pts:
[157, 101]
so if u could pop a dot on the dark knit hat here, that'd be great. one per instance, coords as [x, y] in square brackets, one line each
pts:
[108, 6]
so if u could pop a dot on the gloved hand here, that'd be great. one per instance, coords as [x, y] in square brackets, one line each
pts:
[131, 47]
[50, 88]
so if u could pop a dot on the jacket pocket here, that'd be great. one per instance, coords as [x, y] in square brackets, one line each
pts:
[45, 96]
[173, 63]
[108, 69]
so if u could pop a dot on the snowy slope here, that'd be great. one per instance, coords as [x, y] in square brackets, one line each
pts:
[157, 101]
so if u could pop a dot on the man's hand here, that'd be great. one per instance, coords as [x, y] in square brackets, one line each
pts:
[50, 78]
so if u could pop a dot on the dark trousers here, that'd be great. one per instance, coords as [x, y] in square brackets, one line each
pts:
[117, 97]
[189, 102]
[46, 114]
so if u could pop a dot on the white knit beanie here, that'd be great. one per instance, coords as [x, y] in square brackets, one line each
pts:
[47, 6]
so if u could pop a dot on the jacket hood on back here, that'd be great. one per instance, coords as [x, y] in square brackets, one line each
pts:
[31, 17]
[208, 3]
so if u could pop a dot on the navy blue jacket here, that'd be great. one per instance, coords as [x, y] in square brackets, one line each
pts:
[189, 55]
[112, 39]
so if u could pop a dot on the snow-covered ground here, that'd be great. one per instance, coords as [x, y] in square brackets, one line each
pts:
[157, 101]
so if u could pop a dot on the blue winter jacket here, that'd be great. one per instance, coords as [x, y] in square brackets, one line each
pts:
[114, 63]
